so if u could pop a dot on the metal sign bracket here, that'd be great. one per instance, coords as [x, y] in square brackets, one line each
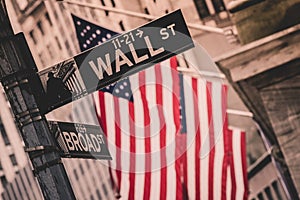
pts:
[39, 150]
[46, 165]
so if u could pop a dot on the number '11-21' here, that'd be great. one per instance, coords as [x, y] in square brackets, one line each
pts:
[127, 38]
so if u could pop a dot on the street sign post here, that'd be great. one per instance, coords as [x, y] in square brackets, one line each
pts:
[115, 59]
[32, 94]
[23, 88]
[80, 140]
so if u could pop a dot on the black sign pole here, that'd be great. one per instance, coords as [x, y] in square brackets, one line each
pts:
[18, 75]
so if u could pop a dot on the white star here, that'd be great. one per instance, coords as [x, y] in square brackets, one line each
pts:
[121, 87]
[84, 46]
[108, 35]
[99, 43]
[88, 27]
[84, 30]
[94, 35]
[98, 32]
[126, 94]
[117, 90]
[125, 84]
[88, 42]
[103, 39]
[82, 34]
[78, 23]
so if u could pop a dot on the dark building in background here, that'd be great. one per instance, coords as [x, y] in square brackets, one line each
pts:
[266, 74]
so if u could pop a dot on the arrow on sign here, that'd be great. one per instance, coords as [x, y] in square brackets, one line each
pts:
[139, 33]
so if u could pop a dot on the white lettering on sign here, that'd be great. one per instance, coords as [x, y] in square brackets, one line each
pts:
[135, 56]
[121, 58]
[101, 65]
[83, 142]
[124, 60]
[149, 45]
[164, 32]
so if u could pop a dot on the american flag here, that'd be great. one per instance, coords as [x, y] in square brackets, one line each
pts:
[137, 115]
[215, 158]
[167, 132]
[89, 34]
[142, 134]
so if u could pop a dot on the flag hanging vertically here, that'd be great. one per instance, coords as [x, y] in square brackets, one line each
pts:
[167, 133]
[137, 115]
[235, 185]
[205, 111]
[215, 158]
[142, 133]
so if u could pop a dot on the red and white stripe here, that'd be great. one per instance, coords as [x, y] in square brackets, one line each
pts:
[235, 166]
[211, 171]
[142, 135]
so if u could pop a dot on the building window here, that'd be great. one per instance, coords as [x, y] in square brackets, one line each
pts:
[276, 189]
[93, 13]
[268, 193]
[202, 8]
[27, 172]
[50, 51]
[4, 134]
[81, 169]
[122, 25]
[104, 189]
[75, 174]
[48, 19]
[68, 48]
[98, 194]
[42, 58]
[57, 42]
[218, 5]
[3, 181]
[260, 196]
[113, 3]
[146, 11]
[18, 188]
[23, 183]
[103, 4]
[87, 164]
[40, 27]
[13, 159]
[55, 14]
[62, 7]
[31, 33]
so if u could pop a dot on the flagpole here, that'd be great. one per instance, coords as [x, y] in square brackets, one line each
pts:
[23, 88]
[200, 73]
[239, 113]
[141, 15]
